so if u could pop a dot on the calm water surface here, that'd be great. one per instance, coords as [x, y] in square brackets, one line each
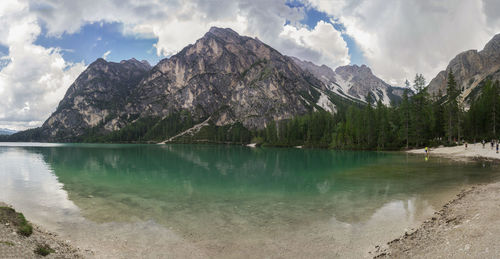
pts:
[202, 201]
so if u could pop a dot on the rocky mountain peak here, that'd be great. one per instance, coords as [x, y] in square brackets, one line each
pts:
[98, 63]
[493, 46]
[471, 68]
[323, 72]
[362, 70]
[353, 82]
[226, 34]
[142, 65]
[229, 78]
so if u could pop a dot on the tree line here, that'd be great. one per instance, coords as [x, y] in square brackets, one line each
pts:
[420, 119]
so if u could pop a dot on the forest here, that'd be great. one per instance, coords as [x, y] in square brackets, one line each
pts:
[418, 120]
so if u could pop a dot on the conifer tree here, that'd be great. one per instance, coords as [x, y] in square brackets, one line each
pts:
[452, 109]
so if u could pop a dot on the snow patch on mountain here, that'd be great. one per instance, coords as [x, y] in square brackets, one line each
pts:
[325, 103]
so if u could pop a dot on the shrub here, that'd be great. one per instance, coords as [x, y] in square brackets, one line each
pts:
[43, 250]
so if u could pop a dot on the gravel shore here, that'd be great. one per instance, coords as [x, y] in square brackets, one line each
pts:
[13, 244]
[466, 227]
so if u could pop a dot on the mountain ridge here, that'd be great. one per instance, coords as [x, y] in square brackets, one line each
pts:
[470, 68]
[353, 82]
[223, 81]
[223, 76]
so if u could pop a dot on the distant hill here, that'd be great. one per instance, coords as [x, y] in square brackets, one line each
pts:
[7, 132]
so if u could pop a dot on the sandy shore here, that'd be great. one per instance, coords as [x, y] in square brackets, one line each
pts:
[466, 227]
[15, 245]
[459, 152]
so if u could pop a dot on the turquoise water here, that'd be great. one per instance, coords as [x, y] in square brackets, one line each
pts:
[227, 201]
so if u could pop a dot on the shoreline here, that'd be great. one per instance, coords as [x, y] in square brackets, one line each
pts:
[467, 226]
[473, 151]
[13, 244]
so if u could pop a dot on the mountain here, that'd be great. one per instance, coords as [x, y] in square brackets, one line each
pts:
[7, 132]
[99, 93]
[222, 80]
[229, 78]
[471, 69]
[353, 82]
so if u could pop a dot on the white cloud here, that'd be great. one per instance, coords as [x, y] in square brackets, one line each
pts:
[400, 38]
[35, 78]
[323, 41]
[105, 55]
[178, 23]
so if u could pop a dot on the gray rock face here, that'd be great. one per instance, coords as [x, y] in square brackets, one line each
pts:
[223, 76]
[230, 78]
[101, 91]
[353, 82]
[470, 68]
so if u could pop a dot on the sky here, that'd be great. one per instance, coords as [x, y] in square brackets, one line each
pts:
[46, 44]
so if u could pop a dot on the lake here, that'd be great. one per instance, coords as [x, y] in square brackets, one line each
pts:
[216, 201]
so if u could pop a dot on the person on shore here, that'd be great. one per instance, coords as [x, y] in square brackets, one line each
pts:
[426, 151]
[497, 147]
[465, 144]
[483, 142]
[491, 144]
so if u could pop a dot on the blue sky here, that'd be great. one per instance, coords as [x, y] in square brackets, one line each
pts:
[95, 39]
[313, 16]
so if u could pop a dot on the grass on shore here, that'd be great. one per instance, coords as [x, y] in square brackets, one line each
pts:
[43, 250]
[7, 243]
[10, 216]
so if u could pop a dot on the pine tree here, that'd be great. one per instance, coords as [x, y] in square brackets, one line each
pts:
[405, 113]
[452, 109]
[420, 111]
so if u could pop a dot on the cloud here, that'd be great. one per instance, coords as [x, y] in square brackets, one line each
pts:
[105, 55]
[322, 44]
[178, 23]
[401, 38]
[35, 78]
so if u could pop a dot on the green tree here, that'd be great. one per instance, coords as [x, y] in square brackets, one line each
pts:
[421, 113]
[452, 109]
[405, 112]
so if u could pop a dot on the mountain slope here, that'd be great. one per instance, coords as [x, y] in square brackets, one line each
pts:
[470, 68]
[100, 92]
[224, 79]
[231, 78]
[353, 82]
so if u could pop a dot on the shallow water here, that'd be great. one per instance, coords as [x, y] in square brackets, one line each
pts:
[227, 201]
